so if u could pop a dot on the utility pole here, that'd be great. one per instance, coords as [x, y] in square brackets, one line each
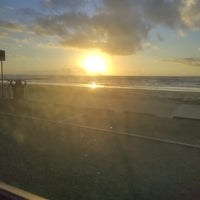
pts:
[2, 58]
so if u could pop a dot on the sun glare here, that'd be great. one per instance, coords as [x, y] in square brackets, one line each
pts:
[95, 64]
[93, 85]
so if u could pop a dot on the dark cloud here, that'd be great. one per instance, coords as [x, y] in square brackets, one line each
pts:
[186, 61]
[114, 26]
[64, 25]
[117, 27]
[164, 12]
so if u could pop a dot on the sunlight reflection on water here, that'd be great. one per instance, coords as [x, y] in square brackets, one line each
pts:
[93, 85]
[97, 85]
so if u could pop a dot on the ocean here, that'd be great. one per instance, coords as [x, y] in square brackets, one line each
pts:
[163, 83]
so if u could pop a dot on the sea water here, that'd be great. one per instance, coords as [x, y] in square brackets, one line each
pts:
[165, 83]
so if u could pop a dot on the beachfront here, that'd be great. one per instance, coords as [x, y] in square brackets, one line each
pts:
[92, 144]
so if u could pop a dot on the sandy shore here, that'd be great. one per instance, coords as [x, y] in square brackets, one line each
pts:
[64, 143]
[154, 102]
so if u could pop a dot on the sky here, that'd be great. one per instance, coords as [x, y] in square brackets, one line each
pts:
[134, 37]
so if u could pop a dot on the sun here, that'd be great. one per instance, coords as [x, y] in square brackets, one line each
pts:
[95, 64]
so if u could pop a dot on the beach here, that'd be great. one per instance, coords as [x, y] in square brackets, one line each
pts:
[153, 102]
[100, 99]
[65, 142]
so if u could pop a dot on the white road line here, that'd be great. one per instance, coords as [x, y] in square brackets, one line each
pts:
[104, 130]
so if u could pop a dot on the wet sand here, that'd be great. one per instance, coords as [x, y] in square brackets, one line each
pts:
[42, 151]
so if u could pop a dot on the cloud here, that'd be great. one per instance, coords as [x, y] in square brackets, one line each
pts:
[64, 25]
[20, 15]
[113, 26]
[190, 14]
[3, 35]
[56, 4]
[116, 27]
[11, 25]
[16, 19]
[186, 61]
